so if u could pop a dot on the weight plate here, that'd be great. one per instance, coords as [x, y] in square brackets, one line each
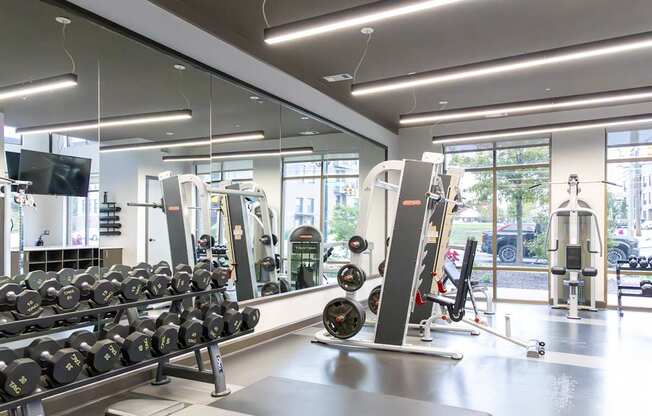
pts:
[373, 300]
[270, 288]
[381, 268]
[350, 277]
[357, 244]
[343, 318]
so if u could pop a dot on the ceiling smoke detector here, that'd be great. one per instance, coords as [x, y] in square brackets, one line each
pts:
[179, 67]
[338, 77]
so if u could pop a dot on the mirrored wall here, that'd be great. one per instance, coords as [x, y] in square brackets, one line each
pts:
[130, 155]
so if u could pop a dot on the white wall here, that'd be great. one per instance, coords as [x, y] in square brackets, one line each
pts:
[122, 176]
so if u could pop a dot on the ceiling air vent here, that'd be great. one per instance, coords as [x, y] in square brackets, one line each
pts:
[338, 77]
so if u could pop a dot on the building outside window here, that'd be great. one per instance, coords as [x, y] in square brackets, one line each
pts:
[629, 206]
[505, 214]
[322, 191]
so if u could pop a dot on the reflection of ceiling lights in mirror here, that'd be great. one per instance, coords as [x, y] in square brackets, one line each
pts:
[353, 17]
[222, 138]
[128, 120]
[529, 107]
[308, 133]
[241, 155]
[38, 86]
[543, 129]
[514, 63]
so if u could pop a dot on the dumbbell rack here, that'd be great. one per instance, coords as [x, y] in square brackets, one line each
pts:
[624, 290]
[32, 405]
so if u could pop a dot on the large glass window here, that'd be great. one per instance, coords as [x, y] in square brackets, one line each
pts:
[505, 187]
[629, 205]
[322, 191]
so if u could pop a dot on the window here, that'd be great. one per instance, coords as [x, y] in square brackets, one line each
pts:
[83, 216]
[321, 190]
[505, 214]
[629, 205]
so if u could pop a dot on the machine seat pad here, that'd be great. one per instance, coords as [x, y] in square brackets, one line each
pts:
[557, 270]
[438, 299]
[589, 272]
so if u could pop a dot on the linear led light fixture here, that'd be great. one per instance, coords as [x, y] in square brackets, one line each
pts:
[222, 138]
[606, 98]
[128, 120]
[353, 17]
[515, 63]
[241, 155]
[543, 129]
[38, 86]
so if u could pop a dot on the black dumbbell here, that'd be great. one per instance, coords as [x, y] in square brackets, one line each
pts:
[155, 285]
[24, 301]
[642, 262]
[101, 355]
[165, 338]
[99, 292]
[10, 318]
[190, 332]
[62, 365]
[135, 347]
[232, 317]
[19, 377]
[65, 297]
[128, 288]
[144, 266]
[65, 276]
[183, 268]
[161, 263]
[201, 279]
[208, 316]
[179, 282]
[220, 276]
[250, 317]
[633, 262]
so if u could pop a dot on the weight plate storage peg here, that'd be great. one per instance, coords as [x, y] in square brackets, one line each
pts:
[373, 301]
[350, 277]
[357, 244]
[343, 318]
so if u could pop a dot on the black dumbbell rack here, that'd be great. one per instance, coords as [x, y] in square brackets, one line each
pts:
[624, 290]
[32, 405]
[109, 220]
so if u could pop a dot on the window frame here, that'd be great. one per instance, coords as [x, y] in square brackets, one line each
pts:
[494, 169]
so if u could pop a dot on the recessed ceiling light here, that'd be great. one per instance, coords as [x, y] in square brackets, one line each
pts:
[169, 133]
[548, 89]
[254, 98]
[179, 67]
[63, 20]
[305, 118]
[309, 133]
[443, 102]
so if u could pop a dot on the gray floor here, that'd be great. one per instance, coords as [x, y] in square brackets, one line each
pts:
[597, 366]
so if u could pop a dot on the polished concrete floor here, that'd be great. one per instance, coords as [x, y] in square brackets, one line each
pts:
[600, 365]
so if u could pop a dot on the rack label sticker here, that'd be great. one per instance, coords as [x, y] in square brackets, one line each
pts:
[237, 232]
[411, 203]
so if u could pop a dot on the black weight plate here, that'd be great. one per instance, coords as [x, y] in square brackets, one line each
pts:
[268, 263]
[20, 378]
[130, 289]
[343, 318]
[103, 356]
[285, 284]
[68, 297]
[350, 277]
[357, 244]
[381, 268]
[250, 317]
[373, 301]
[163, 270]
[270, 289]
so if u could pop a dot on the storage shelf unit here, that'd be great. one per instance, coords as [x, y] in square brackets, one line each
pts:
[56, 258]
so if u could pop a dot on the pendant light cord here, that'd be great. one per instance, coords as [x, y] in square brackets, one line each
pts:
[414, 101]
[265, 14]
[435, 124]
[364, 55]
[180, 89]
[65, 49]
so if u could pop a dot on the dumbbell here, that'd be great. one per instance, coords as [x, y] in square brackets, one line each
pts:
[165, 338]
[99, 292]
[144, 266]
[65, 297]
[155, 285]
[232, 317]
[208, 316]
[220, 276]
[128, 288]
[62, 365]
[65, 276]
[19, 377]
[199, 279]
[101, 355]
[7, 318]
[250, 317]
[179, 282]
[190, 331]
[633, 262]
[642, 262]
[135, 346]
[24, 301]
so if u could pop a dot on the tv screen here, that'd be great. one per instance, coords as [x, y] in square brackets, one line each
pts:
[13, 160]
[53, 174]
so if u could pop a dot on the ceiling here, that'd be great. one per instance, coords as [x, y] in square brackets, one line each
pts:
[465, 32]
[132, 79]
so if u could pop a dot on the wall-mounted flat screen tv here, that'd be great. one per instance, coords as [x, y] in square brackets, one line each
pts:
[53, 174]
